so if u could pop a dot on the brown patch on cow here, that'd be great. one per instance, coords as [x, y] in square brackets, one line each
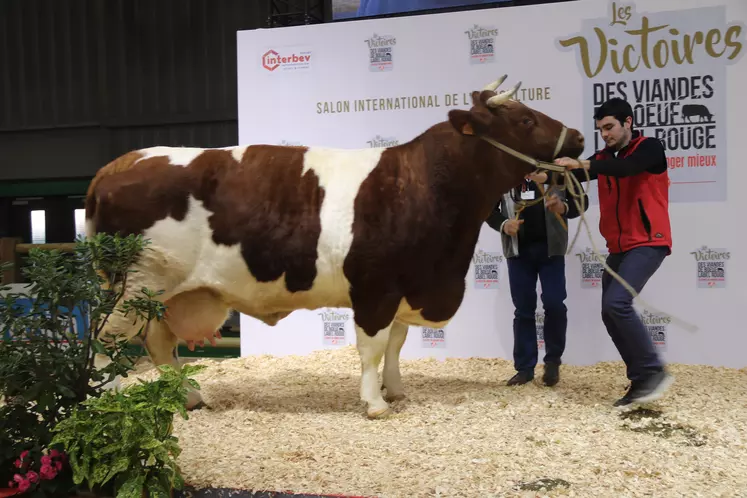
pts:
[416, 222]
[132, 200]
[122, 163]
[419, 213]
[262, 203]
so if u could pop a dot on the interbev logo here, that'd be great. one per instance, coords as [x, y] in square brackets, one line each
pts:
[286, 60]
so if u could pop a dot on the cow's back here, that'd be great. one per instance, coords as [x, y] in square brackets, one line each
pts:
[280, 217]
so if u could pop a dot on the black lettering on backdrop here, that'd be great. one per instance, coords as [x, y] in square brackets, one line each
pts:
[674, 110]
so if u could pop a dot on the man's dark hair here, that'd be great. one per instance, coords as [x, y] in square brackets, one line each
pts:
[616, 107]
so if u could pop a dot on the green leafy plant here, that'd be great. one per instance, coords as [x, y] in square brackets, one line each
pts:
[51, 331]
[125, 437]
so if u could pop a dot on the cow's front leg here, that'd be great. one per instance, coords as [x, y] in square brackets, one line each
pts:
[371, 349]
[395, 391]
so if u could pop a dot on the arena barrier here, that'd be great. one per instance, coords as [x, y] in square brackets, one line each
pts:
[12, 251]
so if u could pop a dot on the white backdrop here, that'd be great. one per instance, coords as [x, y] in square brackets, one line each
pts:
[380, 82]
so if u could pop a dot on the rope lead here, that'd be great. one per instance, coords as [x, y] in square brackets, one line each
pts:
[576, 189]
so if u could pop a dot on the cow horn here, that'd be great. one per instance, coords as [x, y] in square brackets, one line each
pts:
[502, 97]
[494, 85]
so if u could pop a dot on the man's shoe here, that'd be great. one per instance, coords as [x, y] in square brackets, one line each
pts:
[552, 374]
[521, 378]
[652, 388]
[626, 399]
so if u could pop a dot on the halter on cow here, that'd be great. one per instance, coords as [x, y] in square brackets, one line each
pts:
[267, 230]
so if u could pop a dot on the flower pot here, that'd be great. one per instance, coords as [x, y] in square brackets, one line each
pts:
[4, 492]
[89, 494]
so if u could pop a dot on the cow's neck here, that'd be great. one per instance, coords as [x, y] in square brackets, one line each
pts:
[476, 170]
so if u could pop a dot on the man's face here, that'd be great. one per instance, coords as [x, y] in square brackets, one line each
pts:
[614, 134]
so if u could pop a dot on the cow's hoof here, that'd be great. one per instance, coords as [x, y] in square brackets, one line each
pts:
[394, 397]
[198, 406]
[380, 413]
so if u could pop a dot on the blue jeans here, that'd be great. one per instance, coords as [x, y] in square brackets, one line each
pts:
[523, 270]
[631, 338]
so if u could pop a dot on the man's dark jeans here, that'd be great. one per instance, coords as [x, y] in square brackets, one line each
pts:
[523, 271]
[632, 339]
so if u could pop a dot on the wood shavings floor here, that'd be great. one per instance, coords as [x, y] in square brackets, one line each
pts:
[296, 424]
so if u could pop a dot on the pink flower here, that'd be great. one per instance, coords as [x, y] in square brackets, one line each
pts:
[54, 453]
[18, 478]
[46, 460]
[11, 484]
[18, 464]
[47, 472]
[24, 454]
[58, 465]
[32, 476]
[24, 485]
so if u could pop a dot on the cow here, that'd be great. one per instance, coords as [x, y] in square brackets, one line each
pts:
[696, 110]
[269, 229]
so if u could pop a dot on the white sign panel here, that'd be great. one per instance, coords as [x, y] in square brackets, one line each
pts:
[382, 82]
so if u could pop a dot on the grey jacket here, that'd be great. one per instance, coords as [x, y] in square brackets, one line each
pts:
[557, 236]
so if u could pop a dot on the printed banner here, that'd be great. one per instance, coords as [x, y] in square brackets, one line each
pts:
[382, 82]
[672, 67]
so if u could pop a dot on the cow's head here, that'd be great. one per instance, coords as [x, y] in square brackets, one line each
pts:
[515, 125]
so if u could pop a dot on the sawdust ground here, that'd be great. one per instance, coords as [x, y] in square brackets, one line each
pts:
[296, 423]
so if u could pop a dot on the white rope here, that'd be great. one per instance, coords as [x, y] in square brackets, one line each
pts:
[576, 194]
[570, 179]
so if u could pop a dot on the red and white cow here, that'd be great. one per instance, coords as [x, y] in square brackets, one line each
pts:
[266, 230]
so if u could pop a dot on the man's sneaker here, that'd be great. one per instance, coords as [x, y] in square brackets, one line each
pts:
[521, 378]
[627, 398]
[652, 388]
[552, 374]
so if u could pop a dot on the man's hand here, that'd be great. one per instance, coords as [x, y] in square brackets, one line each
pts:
[555, 205]
[571, 163]
[511, 227]
[537, 177]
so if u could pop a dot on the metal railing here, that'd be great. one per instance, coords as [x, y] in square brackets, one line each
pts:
[12, 249]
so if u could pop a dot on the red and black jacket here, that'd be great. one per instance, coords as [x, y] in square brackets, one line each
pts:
[633, 195]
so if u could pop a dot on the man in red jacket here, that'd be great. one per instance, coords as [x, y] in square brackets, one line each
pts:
[633, 185]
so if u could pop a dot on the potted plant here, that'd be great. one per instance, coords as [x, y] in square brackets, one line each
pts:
[50, 333]
[122, 442]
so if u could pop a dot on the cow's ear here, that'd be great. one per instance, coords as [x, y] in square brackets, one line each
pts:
[468, 123]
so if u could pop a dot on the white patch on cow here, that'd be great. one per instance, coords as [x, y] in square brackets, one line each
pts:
[178, 156]
[237, 152]
[395, 391]
[341, 173]
[195, 261]
[371, 350]
[406, 314]
[183, 156]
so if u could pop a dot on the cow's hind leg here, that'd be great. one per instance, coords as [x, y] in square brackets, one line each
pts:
[119, 326]
[161, 345]
[395, 391]
[371, 349]
[194, 316]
